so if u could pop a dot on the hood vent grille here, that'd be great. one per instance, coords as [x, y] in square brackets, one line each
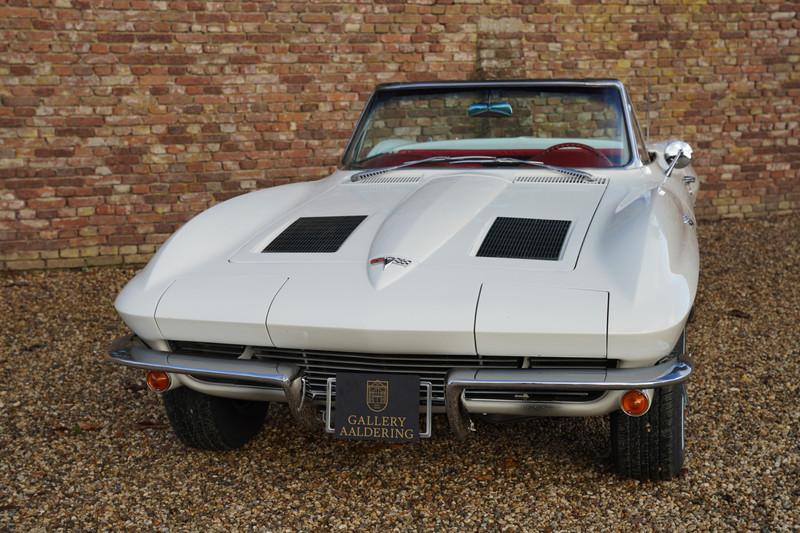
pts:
[314, 235]
[559, 179]
[525, 238]
[388, 179]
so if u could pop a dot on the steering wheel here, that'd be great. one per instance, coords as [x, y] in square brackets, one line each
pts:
[591, 149]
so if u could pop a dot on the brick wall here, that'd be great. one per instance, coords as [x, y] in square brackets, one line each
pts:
[120, 119]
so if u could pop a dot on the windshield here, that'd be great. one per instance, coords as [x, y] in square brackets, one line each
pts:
[565, 126]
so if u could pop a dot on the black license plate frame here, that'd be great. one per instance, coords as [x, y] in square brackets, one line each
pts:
[377, 407]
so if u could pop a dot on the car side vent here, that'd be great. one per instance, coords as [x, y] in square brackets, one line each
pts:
[388, 179]
[525, 238]
[559, 179]
[314, 235]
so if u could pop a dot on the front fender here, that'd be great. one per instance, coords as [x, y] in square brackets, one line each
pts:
[653, 259]
[212, 235]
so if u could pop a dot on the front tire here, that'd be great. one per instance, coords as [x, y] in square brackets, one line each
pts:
[651, 447]
[210, 422]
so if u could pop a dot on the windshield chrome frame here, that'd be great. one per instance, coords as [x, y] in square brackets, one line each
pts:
[634, 161]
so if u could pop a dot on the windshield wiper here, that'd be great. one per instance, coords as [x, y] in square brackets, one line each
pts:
[569, 171]
[477, 159]
[369, 173]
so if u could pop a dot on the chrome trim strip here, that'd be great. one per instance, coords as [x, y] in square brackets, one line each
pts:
[484, 84]
[255, 392]
[129, 351]
[607, 403]
[670, 372]
[351, 141]
[662, 375]
[328, 404]
[428, 410]
[636, 161]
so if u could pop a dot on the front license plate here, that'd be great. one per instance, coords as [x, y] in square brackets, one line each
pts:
[381, 407]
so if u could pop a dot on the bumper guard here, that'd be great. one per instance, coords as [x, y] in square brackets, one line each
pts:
[670, 372]
[131, 351]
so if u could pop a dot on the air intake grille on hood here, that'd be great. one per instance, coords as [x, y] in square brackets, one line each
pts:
[525, 238]
[388, 179]
[311, 235]
[560, 179]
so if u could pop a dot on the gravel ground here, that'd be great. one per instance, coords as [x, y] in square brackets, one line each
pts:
[84, 446]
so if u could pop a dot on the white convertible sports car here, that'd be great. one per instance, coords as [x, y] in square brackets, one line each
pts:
[498, 249]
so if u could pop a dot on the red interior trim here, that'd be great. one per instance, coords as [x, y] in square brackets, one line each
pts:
[568, 157]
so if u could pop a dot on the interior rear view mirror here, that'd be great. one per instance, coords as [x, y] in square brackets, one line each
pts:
[484, 109]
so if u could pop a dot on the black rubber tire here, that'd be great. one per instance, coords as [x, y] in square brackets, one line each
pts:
[651, 446]
[210, 422]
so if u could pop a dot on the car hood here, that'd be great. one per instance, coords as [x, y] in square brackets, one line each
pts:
[214, 281]
[437, 222]
[438, 295]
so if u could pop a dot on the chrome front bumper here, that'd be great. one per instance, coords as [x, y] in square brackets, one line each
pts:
[130, 351]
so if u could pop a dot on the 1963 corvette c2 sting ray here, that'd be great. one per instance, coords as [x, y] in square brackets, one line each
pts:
[498, 249]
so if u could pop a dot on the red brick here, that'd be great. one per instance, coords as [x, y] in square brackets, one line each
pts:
[140, 131]
[20, 70]
[116, 37]
[242, 59]
[18, 12]
[74, 132]
[20, 101]
[54, 152]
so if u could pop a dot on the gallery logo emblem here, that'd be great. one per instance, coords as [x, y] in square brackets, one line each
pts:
[377, 395]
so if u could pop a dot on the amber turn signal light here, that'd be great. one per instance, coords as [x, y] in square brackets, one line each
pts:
[158, 381]
[634, 403]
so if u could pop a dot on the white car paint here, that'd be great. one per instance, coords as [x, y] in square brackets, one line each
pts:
[622, 289]
[568, 322]
[206, 308]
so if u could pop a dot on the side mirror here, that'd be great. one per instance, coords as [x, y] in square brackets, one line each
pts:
[677, 154]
